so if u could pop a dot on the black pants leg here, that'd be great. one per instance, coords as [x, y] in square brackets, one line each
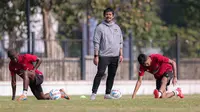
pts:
[169, 76]
[112, 68]
[103, 63]
[36, 87]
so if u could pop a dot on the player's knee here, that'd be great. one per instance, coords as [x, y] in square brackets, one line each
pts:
[41, 97]
[44, 96]
[24, 74]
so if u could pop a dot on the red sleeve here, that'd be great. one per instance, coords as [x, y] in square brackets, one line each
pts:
[162, 58]
[141, 70]
[31, 58]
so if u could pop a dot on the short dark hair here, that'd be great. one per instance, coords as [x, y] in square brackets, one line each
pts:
[108, 10]
[142, 58]
[11, 52]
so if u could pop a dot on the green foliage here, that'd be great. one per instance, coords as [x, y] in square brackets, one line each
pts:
[12, 15]
[148, 20]
[191, 10]
[12, 21]
[184, 21]
[137, 16]
[68, 15]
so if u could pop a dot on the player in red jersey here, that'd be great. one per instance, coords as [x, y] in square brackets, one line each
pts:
[163, 69]
[23, 66]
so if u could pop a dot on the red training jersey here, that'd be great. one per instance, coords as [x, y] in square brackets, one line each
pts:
[25, 62]
[159, 65]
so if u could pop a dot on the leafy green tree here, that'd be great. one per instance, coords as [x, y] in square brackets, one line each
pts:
[71, 15]
[12, 21]
[66, 12]
[138, 16]
[182, 17]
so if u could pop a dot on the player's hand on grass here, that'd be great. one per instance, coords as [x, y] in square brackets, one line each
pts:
[133, 97]
[174, 81]
[96, 60]
[22, 98]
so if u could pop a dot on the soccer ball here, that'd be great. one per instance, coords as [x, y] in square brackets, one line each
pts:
[55, 94]
[116, 94]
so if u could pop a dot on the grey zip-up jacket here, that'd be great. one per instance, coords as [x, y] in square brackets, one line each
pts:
[108, 39]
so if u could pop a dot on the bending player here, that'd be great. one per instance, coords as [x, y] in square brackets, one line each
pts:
[22, 65]
[163, 69]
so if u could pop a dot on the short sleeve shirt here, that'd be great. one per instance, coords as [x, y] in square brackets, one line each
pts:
[159, 65]
[25, 62]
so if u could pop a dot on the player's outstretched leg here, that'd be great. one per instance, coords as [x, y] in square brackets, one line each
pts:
[64, 95]
[178, 92]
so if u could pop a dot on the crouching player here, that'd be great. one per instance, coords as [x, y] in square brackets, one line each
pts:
[163, 69]
[22, 65]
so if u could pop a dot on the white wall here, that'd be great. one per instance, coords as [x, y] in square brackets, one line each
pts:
[84, 87]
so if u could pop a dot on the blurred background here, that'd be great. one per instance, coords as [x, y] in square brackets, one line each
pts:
[61, 33]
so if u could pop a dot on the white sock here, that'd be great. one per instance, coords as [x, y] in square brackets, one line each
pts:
[159, 94]
[176, 92]
[25, 93]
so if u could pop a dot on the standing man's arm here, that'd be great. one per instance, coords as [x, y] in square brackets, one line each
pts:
[13, 84]
[96, 40]
[121, 49]
[121, 52]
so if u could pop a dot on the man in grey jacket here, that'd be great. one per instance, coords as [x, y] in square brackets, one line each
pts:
[108, 44]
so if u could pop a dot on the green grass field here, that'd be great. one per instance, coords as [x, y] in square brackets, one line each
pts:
[125, 104]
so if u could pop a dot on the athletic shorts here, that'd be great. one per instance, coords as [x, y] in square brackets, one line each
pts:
[169, 76]
[36, 87]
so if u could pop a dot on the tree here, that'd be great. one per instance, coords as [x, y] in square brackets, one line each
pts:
[12, 22]
[137, 16]
[53, 49]
[71, 16]
[182, 17]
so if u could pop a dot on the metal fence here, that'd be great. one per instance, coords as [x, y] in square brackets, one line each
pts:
[64, 58]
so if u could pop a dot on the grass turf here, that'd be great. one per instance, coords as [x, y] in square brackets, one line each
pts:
[190, 103]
